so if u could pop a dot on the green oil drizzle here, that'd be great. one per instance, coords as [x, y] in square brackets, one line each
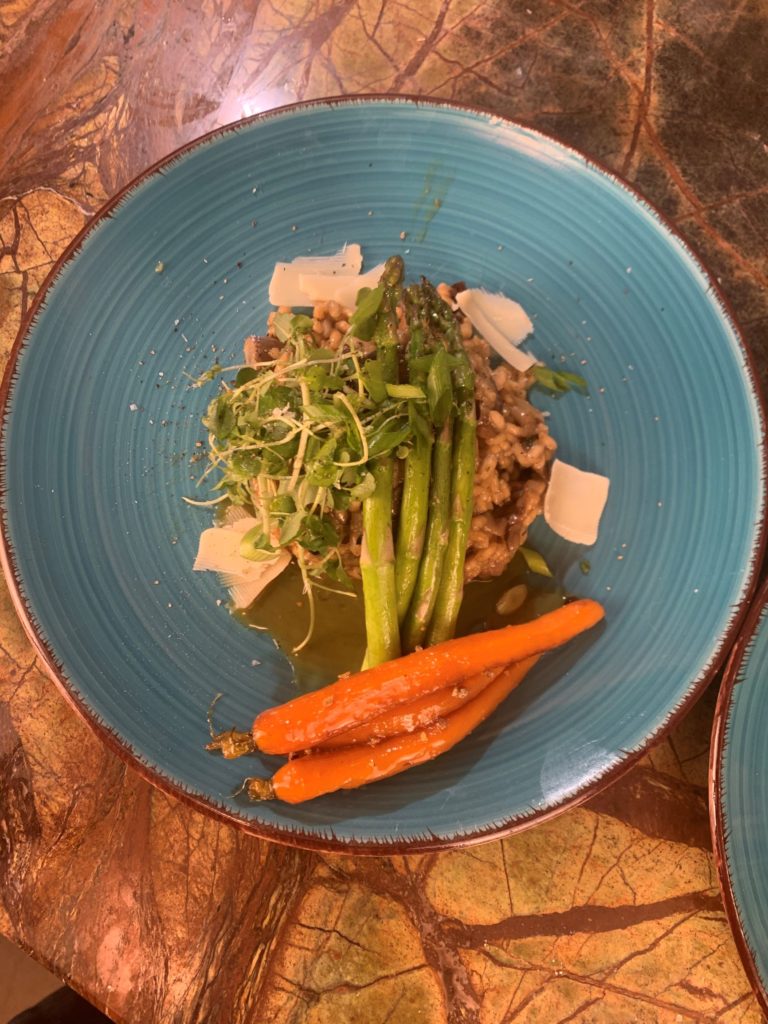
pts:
[338, 642]
[426, 208]
[478, 609]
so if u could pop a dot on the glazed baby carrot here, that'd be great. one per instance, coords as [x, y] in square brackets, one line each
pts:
[415, 714]
[313, 775]
[313, 718]
[404, 718]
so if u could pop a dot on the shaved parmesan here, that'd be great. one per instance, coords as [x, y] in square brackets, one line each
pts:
[504, 313]
[348, 260]
[319, 287]
[233, 514]
[347, 290]
[219, 551]
[574, 502]
[285, 289]
[244, 590]
[329, 288]
[501, 321]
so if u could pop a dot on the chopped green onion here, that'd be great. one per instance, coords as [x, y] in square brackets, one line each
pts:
[220, 419]
[365, 488]
[255, 546]
[317, 535]
[281, 325]
[558, 381]
[245, 375]
[362, 321]
[291, 527]
[282, 504]
[373, 381]
[322, 355]
[404, 391]
[535, 562]
[301, 323]
[511, 600]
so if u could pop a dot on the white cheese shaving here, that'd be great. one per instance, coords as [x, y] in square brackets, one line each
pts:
[284, 288]
[501, 321]
[244, 591]
[574, 502]
[219, 551]
[328, 288]
[233, 514]
[504, 313]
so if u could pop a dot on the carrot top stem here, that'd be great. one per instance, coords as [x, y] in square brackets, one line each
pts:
[259, 789]
[231, 742]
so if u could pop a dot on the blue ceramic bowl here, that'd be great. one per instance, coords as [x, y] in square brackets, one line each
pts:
[100, 424]
[739, 794]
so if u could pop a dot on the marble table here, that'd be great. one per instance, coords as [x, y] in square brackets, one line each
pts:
[610, 912]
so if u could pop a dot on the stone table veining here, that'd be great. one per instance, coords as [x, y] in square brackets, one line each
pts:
[611, 911]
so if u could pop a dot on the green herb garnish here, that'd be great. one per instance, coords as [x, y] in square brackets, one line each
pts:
[535, 562]
[363, 320]
[405, 391]
[297, 440]
[255, 546]
[559, 381]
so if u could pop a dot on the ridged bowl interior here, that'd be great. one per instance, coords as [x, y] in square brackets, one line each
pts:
[101, 423]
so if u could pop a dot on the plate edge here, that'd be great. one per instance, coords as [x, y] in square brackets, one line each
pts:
[717, 816]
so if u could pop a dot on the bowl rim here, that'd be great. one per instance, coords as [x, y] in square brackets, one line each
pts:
[718, 823]
[298, 837]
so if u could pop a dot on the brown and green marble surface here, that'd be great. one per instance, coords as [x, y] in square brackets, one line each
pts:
[609, 913]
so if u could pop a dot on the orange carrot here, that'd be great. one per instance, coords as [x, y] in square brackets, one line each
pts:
[415, 714]
[313, 775]
[313, 718]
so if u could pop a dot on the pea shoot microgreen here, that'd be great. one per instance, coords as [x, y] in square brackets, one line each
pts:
[292, 438]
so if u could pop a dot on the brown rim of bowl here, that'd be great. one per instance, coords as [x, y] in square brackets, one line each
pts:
[717, 821]
[297, 837]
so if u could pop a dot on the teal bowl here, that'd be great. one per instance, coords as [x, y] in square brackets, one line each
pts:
[100, 425]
